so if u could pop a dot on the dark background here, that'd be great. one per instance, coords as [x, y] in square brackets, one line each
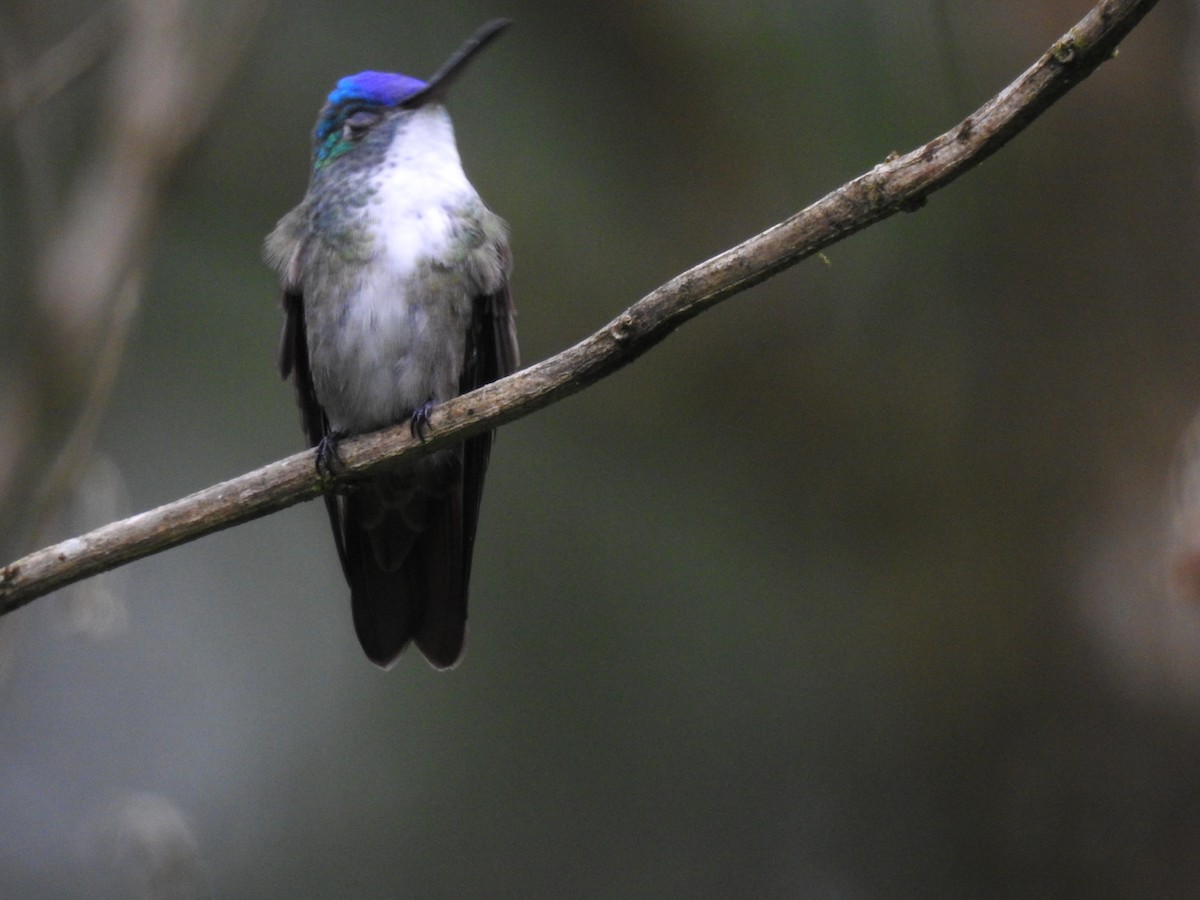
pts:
[858, 586]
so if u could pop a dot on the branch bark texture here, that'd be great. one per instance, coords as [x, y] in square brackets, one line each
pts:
[901, 183]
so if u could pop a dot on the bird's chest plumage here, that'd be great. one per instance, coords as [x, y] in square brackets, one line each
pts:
[387, 314]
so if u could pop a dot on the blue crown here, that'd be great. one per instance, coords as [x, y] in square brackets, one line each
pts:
[367, 89]
[376, 88]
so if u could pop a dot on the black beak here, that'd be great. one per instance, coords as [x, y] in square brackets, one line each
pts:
[441, 80]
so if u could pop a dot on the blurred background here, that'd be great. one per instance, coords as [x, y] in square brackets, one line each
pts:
[879, 580]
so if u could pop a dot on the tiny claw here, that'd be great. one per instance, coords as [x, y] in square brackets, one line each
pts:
[328, 461]
[418, 425]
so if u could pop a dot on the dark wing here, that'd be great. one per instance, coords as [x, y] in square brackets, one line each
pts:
[491, 353]
[293, 360]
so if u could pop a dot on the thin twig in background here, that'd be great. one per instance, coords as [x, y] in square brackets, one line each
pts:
[29, 86]
[166, 62]
[900, 184]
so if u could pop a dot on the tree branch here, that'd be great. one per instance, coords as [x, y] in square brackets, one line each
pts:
[901, 183]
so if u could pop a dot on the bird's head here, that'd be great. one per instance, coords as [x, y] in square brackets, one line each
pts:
[359, 103]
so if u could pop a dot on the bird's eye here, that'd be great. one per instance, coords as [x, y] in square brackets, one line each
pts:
[359, 123]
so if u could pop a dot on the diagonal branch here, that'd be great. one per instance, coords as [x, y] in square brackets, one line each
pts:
[899, 184]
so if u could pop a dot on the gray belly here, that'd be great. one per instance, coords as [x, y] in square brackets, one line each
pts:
[385, 349]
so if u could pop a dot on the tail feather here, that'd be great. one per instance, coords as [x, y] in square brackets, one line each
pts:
[407, 585]
[386, 611]
[439, 557]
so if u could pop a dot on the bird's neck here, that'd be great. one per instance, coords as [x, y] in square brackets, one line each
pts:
[421, 166]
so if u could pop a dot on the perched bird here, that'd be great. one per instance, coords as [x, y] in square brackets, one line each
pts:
[395, 294]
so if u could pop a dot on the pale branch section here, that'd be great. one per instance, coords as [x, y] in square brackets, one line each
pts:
[901, 183]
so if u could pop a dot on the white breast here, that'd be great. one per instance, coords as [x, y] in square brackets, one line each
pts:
[399, 335]
[421, 184]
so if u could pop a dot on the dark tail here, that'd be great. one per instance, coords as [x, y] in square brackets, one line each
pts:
[407, 573]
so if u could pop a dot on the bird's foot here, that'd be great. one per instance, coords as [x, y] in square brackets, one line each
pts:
[418, 425]
[329, 464]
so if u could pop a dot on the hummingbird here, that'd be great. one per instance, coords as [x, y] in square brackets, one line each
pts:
[395, 298]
